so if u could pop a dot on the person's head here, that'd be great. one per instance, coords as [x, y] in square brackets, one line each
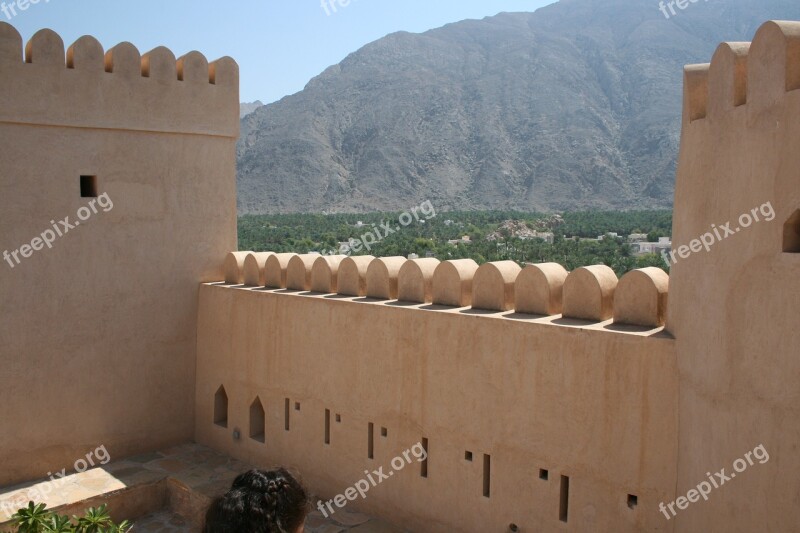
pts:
[260, 502]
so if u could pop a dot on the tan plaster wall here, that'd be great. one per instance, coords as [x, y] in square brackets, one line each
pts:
[596, 405]
[733, 309]
[98, 337]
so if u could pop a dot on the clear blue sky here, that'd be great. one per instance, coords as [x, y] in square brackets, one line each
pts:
[279, 44]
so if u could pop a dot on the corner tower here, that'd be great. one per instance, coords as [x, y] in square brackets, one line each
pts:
[118, 197]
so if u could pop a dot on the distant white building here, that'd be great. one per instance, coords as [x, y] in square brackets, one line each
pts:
[664, 244]
[637, 237]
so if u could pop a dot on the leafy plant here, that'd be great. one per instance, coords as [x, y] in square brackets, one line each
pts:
[31, 519]
[37, 519]
[57, 524]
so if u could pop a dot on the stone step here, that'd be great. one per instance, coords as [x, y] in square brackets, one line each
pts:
[166, 491]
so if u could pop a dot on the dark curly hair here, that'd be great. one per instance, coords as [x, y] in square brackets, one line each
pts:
[260, 502]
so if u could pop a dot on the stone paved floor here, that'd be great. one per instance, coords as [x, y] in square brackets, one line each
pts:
[161, 522]
[200, 469]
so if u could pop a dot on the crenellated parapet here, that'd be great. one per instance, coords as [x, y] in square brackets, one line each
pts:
[590, 294]
[394, 351]
[756, 75]
[736, 182]
[85, 86]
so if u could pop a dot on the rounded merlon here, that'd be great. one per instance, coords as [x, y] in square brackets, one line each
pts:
[325, 274]
[254, 269]
[589, 293]
[452, 282]
[353, 275]
[539, 289]
[160, 64]
[234, 267]
[298, 273]
[193, 68]
[382, 276]
[641, 298]
[45, 48]
[86, 54]
[275, 270]
[10, 45]
[415, 281]
[493, 286]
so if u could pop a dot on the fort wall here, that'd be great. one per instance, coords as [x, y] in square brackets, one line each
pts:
[98, 338]
[547, 399]
[535, 396]
[733, 310]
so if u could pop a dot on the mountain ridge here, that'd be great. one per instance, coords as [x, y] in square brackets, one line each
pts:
[574, 106]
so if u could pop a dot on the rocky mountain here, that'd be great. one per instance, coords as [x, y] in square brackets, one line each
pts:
[574, 106]
[246, 108]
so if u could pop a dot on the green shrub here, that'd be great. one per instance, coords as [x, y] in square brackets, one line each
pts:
[37, 519]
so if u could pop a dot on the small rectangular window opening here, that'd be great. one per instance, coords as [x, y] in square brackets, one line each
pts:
[88, 186]
[327, 426]
[487, 475]
[424, 464]
[371, 441]
[633, 501]
[563, 508]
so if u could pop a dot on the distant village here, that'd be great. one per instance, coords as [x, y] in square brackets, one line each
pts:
[518, 229]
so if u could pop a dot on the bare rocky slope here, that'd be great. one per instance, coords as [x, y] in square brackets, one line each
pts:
[574, 106]
[245, 108]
